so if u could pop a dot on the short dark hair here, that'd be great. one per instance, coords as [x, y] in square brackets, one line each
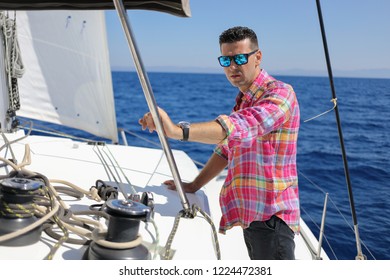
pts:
[238, 33]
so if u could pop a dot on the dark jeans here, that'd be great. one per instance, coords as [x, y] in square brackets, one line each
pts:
[270, 240]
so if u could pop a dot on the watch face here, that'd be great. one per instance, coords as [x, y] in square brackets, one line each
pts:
[184, 124]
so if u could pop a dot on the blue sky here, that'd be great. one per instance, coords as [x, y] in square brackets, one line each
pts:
[358, 35]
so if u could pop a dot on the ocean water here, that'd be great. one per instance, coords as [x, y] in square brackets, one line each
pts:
[365, 121]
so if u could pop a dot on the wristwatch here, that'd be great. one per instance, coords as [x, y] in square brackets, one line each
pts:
[185, 126]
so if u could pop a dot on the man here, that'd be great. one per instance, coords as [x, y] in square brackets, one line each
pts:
[257, 143]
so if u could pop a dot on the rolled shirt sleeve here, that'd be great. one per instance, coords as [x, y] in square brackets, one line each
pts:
[268, 114]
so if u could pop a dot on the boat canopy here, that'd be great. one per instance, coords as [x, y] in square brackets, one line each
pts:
[175, 7]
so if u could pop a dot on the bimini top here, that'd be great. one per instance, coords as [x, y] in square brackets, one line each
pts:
[175, 7]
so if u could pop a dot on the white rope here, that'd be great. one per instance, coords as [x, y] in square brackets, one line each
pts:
[13, 54]
[13, 60]
[334, 100]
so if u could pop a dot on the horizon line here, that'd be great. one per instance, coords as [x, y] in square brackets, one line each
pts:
[359, 73]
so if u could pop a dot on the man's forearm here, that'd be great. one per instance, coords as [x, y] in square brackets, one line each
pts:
[205, 132]
[213, 167]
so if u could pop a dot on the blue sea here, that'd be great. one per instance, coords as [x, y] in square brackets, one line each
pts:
[365, 121]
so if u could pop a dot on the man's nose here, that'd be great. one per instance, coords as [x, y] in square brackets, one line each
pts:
[233, 64]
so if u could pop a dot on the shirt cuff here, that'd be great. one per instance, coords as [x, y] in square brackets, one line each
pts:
[233, 135]
[226, 124]
[221, 151]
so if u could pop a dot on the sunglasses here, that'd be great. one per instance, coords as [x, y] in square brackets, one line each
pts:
[239, 59]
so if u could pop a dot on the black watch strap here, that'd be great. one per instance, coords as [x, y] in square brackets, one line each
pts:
[186, 132]
[185, 126]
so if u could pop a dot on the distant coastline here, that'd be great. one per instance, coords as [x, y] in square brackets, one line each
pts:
[361, 73]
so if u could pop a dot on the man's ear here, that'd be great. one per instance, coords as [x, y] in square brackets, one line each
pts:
[259, 56]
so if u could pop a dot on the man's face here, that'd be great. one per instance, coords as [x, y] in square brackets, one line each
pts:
[241, 76]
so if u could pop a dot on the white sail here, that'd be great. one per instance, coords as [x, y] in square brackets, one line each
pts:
[68, 78]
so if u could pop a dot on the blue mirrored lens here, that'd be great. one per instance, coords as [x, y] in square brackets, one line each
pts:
[224, 61]
[240, 59]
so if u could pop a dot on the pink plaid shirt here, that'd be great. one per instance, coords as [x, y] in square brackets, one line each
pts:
[260, 148]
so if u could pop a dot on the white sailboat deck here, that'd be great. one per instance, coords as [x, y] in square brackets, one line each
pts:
[140, 170]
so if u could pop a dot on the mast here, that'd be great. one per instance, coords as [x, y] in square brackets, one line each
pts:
[360, 255]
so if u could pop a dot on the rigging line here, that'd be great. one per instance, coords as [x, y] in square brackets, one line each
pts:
[156, 239]
[337, 209]
[116, 166]
[111, 156]
[217, 249]
[103, 163]
[8, 143]
[57, 133]
[156, 144]
[155, 170]
[143, 138]
[334, 100]
[112, 164]
[167, 249]
[152, 173]
[167, 253]
[325, 236]
[107, 168]
[360, 255]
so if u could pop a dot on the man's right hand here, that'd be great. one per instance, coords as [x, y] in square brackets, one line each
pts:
[187, 187]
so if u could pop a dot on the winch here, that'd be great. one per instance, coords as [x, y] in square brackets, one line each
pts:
[123, 229]
[17, 210]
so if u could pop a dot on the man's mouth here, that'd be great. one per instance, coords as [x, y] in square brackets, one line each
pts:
[235, 76]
